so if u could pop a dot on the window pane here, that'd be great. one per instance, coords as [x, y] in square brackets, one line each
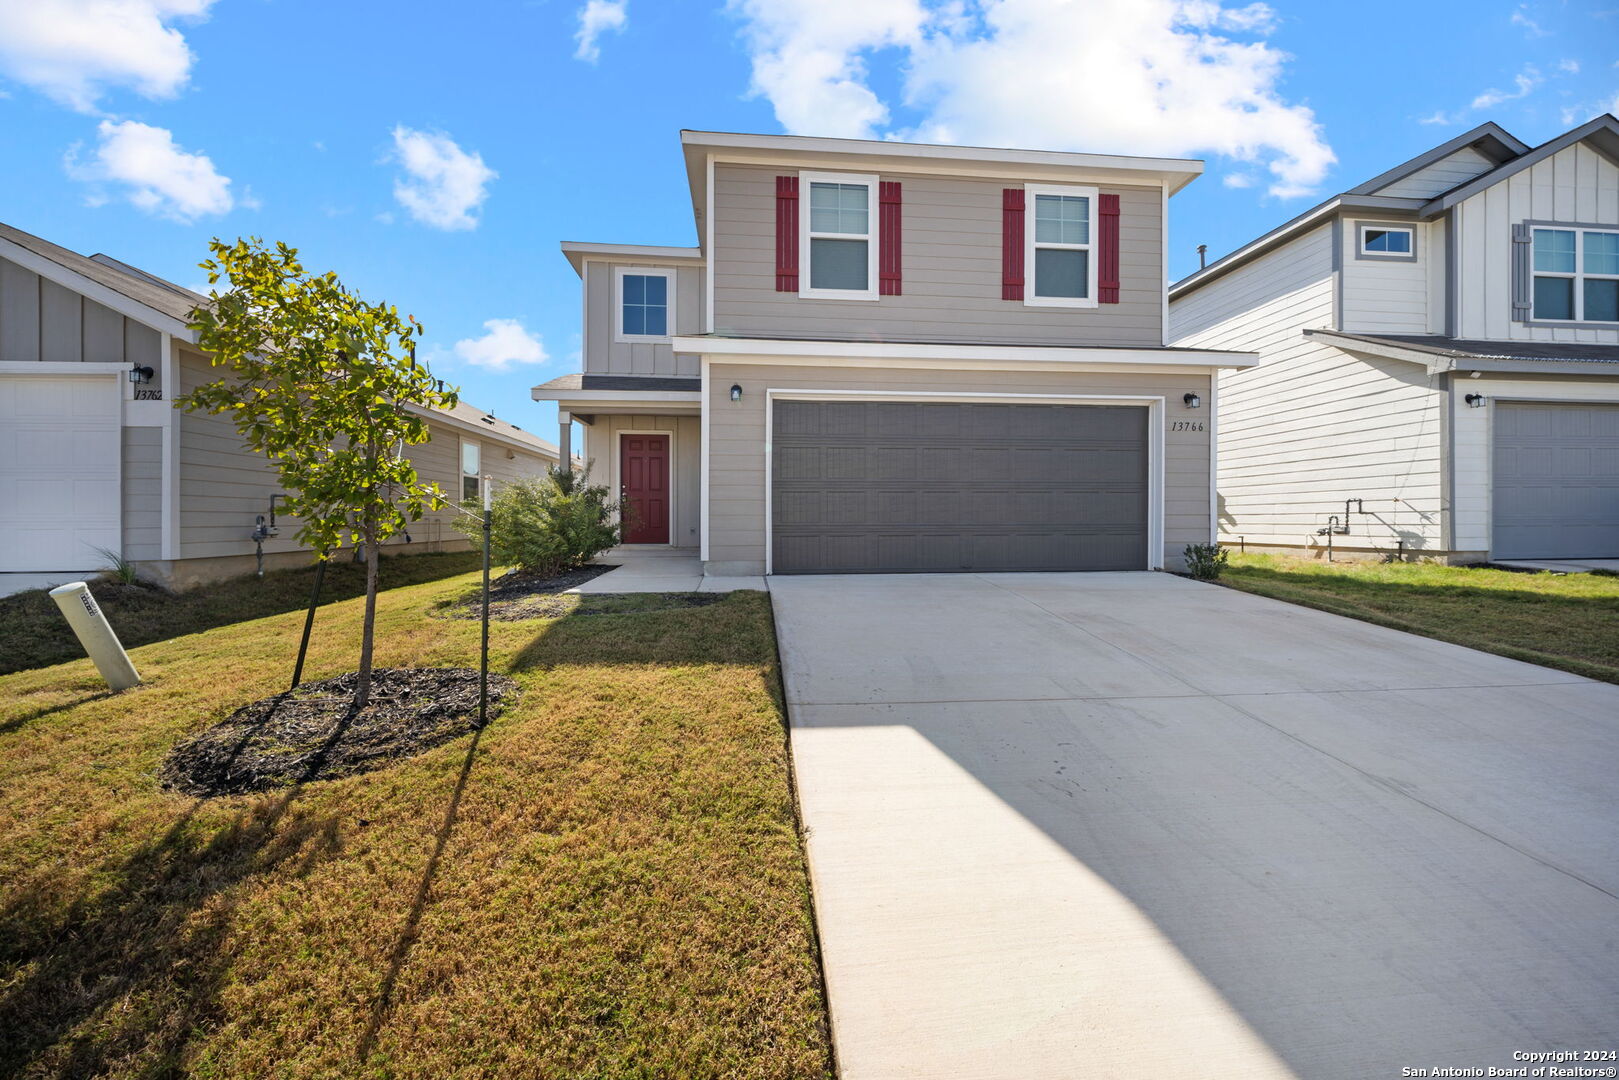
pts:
[469, 458]
[1601, 301]
[657, 289]
[1062, 219]
[838, 264]
[1554, 250]
[1554, 298]
[1388, 241]
[469, 489]
[656, 321]
[646, 305]
[634, 318]
[634, 288]
[1058, 272]
[839, 208]
[1601, 253]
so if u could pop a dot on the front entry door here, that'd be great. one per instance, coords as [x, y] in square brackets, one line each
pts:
[643, 463]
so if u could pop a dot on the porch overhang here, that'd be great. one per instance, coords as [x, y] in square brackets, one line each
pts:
[1441, 354]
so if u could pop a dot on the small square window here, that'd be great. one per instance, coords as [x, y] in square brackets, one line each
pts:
[1554, 298]
[1554, 251]
[643, 305]
[1386, 241]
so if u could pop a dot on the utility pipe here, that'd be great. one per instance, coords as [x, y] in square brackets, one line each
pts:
[90, 625]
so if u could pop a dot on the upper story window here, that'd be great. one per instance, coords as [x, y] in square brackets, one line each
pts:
[1387, 242]
[838, 241]
[646, 302]
[471, 470]
[1060, 227]
[1576, 275]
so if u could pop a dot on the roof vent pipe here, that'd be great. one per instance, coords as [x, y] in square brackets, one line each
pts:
[1202, 256]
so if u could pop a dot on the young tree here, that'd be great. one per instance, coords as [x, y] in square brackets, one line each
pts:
[323, 384]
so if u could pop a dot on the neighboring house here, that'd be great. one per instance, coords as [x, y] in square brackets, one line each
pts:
[91, 459]
[894, 357]
[1441, 358]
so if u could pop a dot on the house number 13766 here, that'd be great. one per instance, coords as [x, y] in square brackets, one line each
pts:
[1186, 425]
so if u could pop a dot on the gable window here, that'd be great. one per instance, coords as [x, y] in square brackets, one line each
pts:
[645, 304]
[471, 471]
[838, 239]
[1388, 242]
[1060, 227]
[1576, 275]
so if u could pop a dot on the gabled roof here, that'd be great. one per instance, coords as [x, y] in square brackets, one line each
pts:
[1602, 133]
[577, 252]
[1489, 139]
[162, 303]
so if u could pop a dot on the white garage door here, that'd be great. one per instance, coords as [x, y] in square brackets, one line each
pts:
[59, 469]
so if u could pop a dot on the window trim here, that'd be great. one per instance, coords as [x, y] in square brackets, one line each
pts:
[462, 476]
[1361, 228]
[806, 289]
[1578, 276]
[668, 273]
[1031, 273]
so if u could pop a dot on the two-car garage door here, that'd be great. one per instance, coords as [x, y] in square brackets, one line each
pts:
[904, 486]
[1555, 489]
[59, 471]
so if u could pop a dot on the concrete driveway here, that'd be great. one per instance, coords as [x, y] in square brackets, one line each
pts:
[1128, 825]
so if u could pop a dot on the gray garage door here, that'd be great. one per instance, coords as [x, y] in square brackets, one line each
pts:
[894, 487]
[1556, 481]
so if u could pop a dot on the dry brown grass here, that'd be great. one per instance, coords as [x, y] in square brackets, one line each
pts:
[606, 883]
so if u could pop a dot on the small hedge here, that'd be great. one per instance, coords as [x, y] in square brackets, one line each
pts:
[547, 525]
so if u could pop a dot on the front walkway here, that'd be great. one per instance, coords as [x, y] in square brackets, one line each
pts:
[660, 569]
[1128, 825]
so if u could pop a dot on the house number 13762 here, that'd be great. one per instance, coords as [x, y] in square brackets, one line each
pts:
[1186, 425]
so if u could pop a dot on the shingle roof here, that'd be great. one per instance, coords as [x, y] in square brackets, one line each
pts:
[162, 296]
[1478, 349]
[620, 382]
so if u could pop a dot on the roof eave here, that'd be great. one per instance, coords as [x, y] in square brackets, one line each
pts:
[1602, 132]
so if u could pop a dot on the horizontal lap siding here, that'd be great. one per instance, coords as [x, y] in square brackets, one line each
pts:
[1312, 425]
[951, 270]
[1450, 171]
[604, 356]
[737, 431]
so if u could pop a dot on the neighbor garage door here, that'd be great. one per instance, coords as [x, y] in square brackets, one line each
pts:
[1555, 481]
[59, 468]
[892, 487]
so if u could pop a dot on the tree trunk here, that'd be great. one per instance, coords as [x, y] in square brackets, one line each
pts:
[362, 691]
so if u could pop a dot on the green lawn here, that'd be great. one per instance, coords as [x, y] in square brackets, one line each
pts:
[1568, 621]
[607, 882]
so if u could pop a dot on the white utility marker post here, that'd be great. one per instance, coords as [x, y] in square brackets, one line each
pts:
[95, 634]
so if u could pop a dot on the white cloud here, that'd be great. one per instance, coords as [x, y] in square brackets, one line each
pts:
[1166, 77]
[74, 51]
[1572, 67]
[443, 185]
[1438, 117]
[596, 18]
[1579, 114]
[1531, 28]
[156, 174]
[1237, 180]
[1523, 85]
[505, 343]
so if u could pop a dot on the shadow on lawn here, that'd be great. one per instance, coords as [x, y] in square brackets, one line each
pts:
[126, 978]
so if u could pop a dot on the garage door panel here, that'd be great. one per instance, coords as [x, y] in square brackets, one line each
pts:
[1555, 490]
[925, 486]
[60, 464]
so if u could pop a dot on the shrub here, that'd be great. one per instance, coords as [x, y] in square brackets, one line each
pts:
[1205, 561]
[547, 524]
[119, 569]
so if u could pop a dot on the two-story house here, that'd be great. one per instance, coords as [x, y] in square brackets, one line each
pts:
[1440, 348]
[891, 357]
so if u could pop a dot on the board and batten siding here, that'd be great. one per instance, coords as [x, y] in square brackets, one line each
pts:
[686, 448]
[1390, 296]
[1450, 171]
[605, 356]
[951, 270]
[1312, 425]
[736, 465]
[1576, 185]
[42, 321]
[142, 481]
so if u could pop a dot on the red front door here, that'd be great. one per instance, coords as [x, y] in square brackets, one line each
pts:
[643, 463]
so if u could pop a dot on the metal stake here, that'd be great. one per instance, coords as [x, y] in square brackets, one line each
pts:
[309, 622]
[483, 668]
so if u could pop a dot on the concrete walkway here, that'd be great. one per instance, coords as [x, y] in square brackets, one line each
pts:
[660, 569]
[1128, 825]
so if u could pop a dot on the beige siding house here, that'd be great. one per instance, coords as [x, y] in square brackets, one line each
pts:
[891, 357]
[91, 460]
[1440, 349]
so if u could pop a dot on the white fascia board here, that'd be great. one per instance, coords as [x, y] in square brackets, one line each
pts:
[1432, 361]
[101, 294]
[753, 349]
[483, 431]
[579, 253]
[609, 397]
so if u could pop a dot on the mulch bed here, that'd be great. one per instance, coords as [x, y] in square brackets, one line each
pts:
[313, 732]
[510, 595]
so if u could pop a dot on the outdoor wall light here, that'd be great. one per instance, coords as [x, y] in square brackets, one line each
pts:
[1192, 401]
[1475, 400]
[140, 373]
[736, 392]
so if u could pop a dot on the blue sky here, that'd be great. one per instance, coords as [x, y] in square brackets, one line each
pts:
[435, 154]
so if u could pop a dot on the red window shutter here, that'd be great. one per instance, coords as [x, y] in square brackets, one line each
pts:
[888, 239]
[1012, 244]
[786, 234]
[1107, 244]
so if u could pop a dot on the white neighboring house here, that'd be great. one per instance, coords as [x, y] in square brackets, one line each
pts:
[1440, 350]
[92, 459]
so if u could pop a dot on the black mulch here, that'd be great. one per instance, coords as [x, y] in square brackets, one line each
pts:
[313, 732]
[511, 595]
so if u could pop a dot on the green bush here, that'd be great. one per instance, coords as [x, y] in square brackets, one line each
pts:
[548, 524]
[1205, 561]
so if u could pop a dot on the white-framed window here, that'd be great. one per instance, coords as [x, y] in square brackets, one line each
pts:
[1576, 275]
[1388, 241]
[837, 236]
[643, 303]
[1059, 224]
[471, 471]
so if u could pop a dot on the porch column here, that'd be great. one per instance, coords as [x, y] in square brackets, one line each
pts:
[565, 438]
